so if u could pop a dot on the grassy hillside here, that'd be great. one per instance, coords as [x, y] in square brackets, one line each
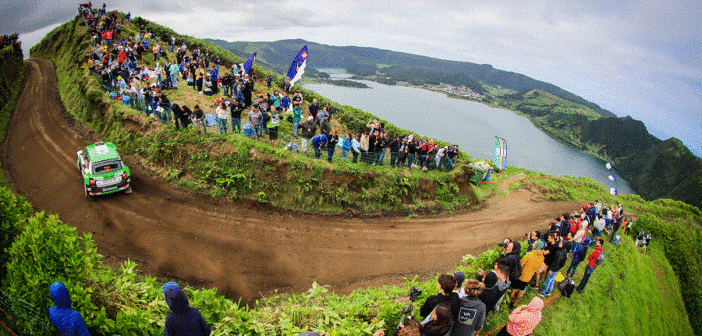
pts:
[239, 167]
[11, 82]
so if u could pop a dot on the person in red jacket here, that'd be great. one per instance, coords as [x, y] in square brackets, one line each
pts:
[591, 265]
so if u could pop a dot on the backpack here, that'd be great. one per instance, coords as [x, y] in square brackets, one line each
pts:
[580, 252]
[600, 259]
[567, 286]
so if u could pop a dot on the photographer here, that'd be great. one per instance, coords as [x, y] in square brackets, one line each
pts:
[445, 284]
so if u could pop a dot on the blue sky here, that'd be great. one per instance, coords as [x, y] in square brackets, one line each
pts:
[638, 58]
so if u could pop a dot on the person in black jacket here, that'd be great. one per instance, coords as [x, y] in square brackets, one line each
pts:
[394, 146]
[496, 284]
[445, 284]
[556, 263]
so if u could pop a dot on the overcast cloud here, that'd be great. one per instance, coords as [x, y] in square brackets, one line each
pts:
[638, 58]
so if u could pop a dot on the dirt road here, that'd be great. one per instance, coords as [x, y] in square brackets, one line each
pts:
[242, 251]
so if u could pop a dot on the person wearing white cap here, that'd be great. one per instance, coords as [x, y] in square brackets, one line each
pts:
[309, 129]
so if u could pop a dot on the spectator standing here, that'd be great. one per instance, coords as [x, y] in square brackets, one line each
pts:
[600, 224]
[356, 147]
[214, 76]
[297, 117]
[324, 127]
[579, 255]
[472, 312]
[346, 146]
[557, 262]
[530, 264]
[309, 129]
[174, 70]
[255, 119]
[591, 265]
[313, 110]
[222, 112]
[68, 322]
[183, 320]
[236, 108]
[365, 139]
[524, 319]
[333, 139]
[171, 43]
[394, 146]
[273, 125]
[199, 78]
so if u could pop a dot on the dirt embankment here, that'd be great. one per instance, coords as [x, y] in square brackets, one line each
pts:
[243, 250]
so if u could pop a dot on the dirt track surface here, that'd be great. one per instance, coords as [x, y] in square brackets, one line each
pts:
[241, 250]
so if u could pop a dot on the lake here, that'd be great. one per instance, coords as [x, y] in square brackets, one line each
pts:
[472, 126]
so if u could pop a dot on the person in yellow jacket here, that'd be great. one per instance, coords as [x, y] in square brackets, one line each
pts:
[530, 265]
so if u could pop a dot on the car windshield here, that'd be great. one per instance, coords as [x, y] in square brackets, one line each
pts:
[107, 167]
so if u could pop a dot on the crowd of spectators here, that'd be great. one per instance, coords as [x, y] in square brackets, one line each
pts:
[461, 305]
[6, 40]
[119, 63]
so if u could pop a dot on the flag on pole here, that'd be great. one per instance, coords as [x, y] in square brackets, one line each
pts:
[297, 68]
[613, 191]
[249, 63]
[500, 153]
[612, 177]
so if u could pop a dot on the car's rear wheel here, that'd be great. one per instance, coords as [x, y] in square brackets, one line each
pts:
[87, 195]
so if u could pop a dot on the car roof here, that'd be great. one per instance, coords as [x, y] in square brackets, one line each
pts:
[102, 151]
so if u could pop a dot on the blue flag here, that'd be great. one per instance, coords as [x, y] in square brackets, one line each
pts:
[249, 63]
[297, 68]
[612, 178]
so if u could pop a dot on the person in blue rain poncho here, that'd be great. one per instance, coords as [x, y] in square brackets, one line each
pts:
[183, 319]
[67, 321]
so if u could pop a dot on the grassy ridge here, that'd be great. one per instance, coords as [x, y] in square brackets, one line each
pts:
[11, 83]
[239, 167]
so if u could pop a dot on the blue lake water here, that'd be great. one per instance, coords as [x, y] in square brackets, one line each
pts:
[472, 126]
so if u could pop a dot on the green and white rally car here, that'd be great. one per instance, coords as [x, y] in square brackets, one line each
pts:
[102, 169]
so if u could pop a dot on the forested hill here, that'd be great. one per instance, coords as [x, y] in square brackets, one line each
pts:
[416, 69]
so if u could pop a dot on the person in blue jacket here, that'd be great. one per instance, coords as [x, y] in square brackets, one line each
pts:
[67, 321]
[183, 320]
[318, 142]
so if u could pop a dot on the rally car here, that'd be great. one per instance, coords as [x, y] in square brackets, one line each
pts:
[102, 169]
